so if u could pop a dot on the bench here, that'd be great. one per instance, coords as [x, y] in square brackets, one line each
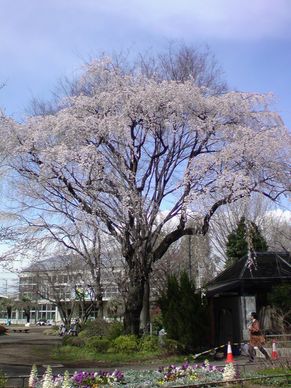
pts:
[20, 330]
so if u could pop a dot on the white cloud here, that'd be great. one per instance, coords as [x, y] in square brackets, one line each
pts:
[194, 19]
[44, 40]
[223, 19]
[283, 215]
[226, 19]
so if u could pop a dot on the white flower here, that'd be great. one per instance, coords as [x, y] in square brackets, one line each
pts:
[67, 380]
[47, 381]
[33, 377]
[229, 372]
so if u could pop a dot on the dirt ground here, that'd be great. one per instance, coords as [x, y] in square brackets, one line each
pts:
[27, 348]
[19, 351]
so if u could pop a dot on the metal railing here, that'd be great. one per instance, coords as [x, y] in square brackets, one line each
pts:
[237, 382]
[18, 381]
[23, 381]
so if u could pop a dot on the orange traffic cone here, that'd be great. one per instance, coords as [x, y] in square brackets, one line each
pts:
[275, 354]
[229, 357]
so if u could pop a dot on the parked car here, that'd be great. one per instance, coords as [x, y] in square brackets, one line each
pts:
[41, 322]
[44, 322]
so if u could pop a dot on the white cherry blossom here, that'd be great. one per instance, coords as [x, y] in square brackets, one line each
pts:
[126, 147]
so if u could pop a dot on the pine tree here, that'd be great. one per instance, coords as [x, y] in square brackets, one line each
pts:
[169, 303]
[239, 240]
[184, 316]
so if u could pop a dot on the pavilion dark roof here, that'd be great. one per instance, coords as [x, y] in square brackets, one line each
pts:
[268, 266]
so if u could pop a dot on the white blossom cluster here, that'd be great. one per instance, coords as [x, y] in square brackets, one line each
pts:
[229, 372]
[48, 380]
[124, 147]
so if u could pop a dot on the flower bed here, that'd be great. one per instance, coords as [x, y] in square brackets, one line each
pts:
[164, 376]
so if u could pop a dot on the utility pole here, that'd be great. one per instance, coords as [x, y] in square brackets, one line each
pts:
[4, 287]
[189, 257]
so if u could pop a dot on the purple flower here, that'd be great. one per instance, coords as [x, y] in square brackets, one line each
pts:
[185, 365]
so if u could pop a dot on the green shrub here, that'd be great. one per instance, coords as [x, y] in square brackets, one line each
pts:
[149, 343]
[171, 347]
[125, 344]
[83, 334]
[51, 331]
[115, 330]
[97, 344]
[98, 327]
[157, 323]
[73, 341]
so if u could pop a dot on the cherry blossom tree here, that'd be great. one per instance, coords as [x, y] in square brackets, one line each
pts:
[132, 152]
[38, 236]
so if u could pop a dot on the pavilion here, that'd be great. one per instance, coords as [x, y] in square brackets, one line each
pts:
[241, 289]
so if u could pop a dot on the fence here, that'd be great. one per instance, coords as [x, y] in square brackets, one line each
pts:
[23, 381]
[237, 382]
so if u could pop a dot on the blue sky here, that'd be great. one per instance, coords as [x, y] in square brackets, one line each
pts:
[41, 41]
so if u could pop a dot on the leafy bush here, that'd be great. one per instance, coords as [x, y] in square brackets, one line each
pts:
[115, 330]
[73, 341]
[51, 331]
[148, 343]
[84, 334]
[97, 344]
[280, 296]
[173, 347]
[98, 327]
[157, 323]
[125, 344]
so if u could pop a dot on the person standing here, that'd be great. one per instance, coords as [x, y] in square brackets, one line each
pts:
[162, 335]
[256, 338]
[62, 330]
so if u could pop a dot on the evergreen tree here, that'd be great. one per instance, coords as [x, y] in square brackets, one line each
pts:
[280, 297]
[169, 304]
[184, 317]
[237, 243]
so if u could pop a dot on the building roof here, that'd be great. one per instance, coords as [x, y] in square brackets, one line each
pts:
[269, 266]
[55, 263]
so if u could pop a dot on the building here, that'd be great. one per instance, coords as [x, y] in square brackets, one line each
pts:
[241, 289]
[61, 286]
[8, 291]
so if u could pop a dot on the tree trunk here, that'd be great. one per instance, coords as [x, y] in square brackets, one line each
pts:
[145, 313]
[134, 303]
[99, 302]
